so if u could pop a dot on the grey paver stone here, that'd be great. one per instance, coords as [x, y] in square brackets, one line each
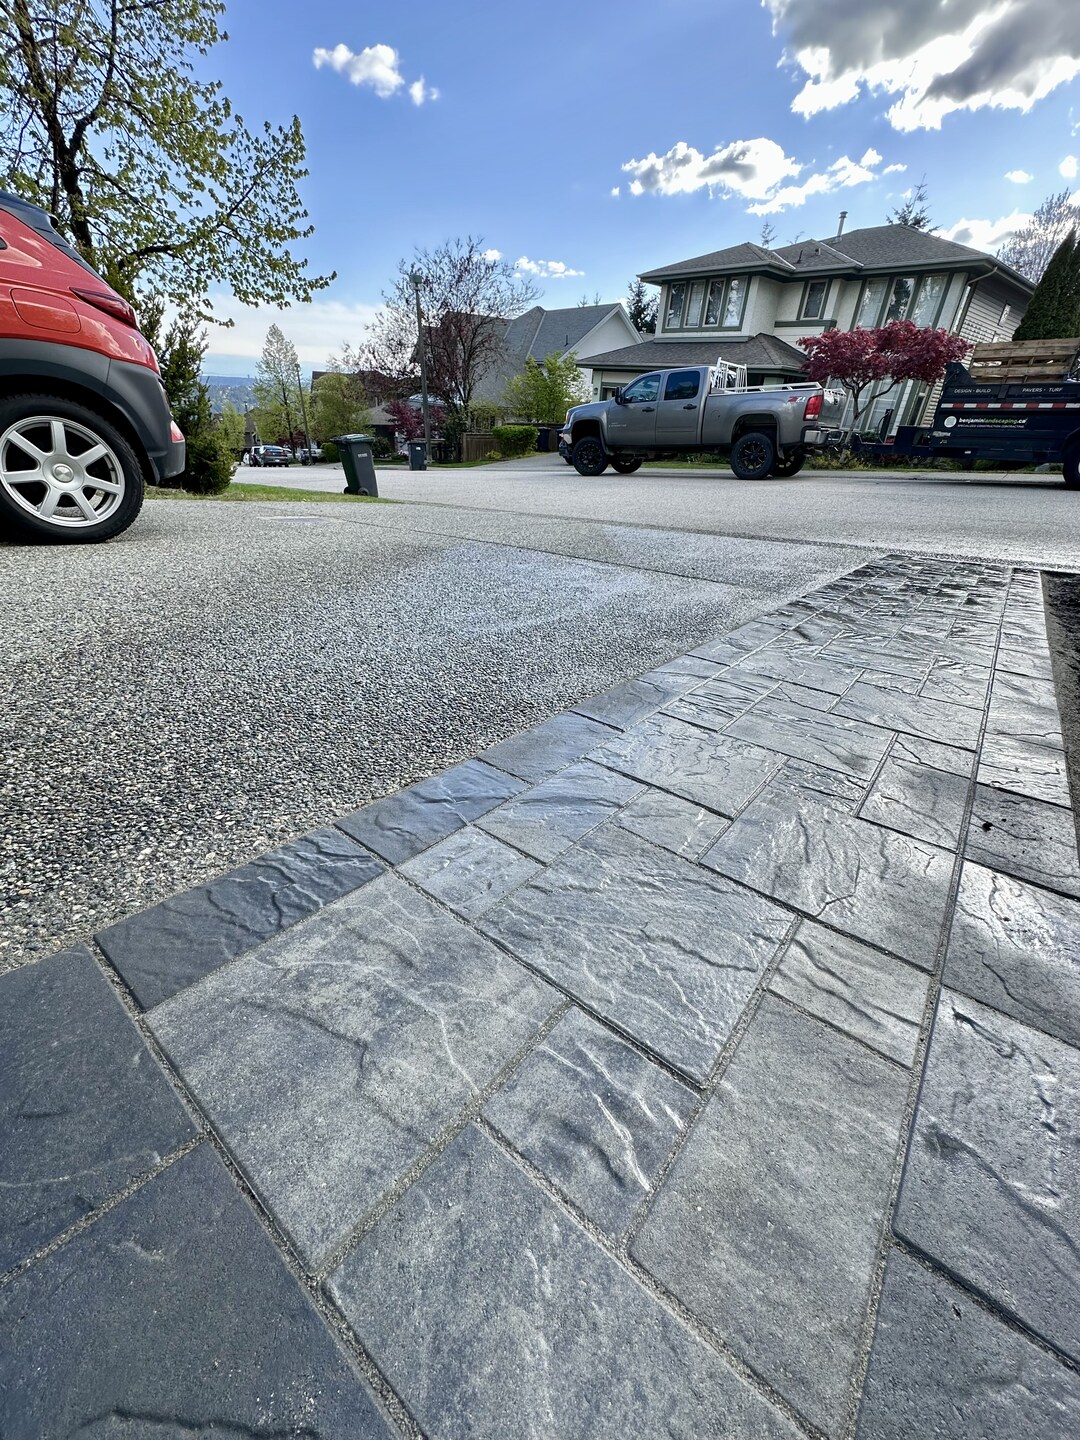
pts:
[671, 822]
[711, 770]
[663, 950]
[808, 734]
[173, 1316]
[767, 1226]
[991, 1187]
[814, 670]
[959, 681]
[595, 1116]
[1025, 837]
[1011, 762]
[331, 1058]
[493, 1315]
[625, 704]
[716, 703]
[941, 1366]
[537, 753]
[880, 651]
[1015, 660]
[162, 950]
[401, 825]
[469, 871]
[1026, 707]
[876, 999]
[1017, 948]
[859, 878]
[84, 1106]
[942, 720]
[820, 783]
[917, 799]
[547, 819]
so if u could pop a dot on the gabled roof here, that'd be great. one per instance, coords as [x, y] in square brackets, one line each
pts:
[760, 352]
[539, 332]
[735, 257]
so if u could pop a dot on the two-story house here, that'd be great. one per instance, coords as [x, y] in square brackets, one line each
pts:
[749, 305]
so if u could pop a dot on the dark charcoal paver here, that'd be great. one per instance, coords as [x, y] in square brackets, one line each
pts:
[494, 1316]
[626, 704]
[710, 770]
[469, 871]
[537, 753]
[868, 995]
[991, 1187]
[595, 1116]
[805, 733]
[946, 721]
[768, 1224]
[549, 818]
[859, 878]
[1010, 762]
[1025, 837]
[912, 795]
[401, 825]
[943, 1367]
[667, 953]
[173, 1316]
[160, 951]
[1017, 948]
[331, 1058]
[84, 1106]
[672, 822]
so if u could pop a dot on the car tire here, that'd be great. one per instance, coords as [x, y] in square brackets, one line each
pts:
[1070, 467]
[790, 465]
[48, 491]
[753, 456]
[625, 467]
[589, 457]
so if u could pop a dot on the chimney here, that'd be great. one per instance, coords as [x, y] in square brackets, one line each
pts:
[840, 227]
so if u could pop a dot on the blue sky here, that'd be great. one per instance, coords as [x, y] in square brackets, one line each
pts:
[610, 139]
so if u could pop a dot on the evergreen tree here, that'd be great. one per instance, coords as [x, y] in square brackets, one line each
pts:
[1053, 312]
[642, 308]
[915, 211]
[180, 352]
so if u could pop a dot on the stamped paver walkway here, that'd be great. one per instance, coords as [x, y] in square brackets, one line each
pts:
[704, 1062]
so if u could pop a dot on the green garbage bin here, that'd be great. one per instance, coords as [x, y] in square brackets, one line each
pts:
[358, 463]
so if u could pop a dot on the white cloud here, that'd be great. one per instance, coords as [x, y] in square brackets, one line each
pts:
[1069, 167]
[546, 269]
[492, 255]
[893, 169]
[987, 235]
[615, 191]
[317, 330]
[934, 57]
[1018, 177]
[839, 175]
[378, 66]
[746, 167]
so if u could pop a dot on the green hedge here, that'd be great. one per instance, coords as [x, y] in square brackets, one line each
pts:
[514, 440]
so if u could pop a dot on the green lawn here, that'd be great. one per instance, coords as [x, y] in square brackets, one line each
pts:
[241, 493]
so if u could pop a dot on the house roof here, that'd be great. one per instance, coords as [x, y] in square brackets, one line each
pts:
[760, 352]
[539, 332]
[877, 247]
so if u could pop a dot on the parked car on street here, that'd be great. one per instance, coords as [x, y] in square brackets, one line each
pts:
[270, 455]
[85, 423]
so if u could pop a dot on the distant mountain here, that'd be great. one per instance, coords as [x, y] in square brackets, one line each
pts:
[240, 389]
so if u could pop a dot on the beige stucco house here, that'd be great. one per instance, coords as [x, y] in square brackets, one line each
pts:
[749, 305]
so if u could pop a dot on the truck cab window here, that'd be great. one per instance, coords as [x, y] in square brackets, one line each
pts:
[647, 388]
[682, 385]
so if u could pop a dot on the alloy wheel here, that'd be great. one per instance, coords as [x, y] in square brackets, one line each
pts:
[60, 472]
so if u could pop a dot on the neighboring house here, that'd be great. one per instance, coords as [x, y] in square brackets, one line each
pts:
[749, 305]
[583, 330]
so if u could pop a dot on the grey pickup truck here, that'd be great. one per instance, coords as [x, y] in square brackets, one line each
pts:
[763, 429]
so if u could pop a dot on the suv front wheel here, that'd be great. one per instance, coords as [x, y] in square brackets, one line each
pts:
[66, 474]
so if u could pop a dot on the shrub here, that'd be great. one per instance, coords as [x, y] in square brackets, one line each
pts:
[330, 452]
[209, 464]
[381, 448]
[514, 440]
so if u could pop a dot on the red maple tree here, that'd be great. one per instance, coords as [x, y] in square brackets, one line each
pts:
[858, 359]
[408, 418]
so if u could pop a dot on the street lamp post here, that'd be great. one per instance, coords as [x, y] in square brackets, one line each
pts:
[303, 411]
[416, 279]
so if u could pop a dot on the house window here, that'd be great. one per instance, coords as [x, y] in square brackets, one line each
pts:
[734, 304]
[697, 300]
[873, 297]
[715, 308]
[676, 297]
[903, 287]
[928, 301]
[814, 298]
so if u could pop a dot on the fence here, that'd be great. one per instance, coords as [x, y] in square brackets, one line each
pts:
[476, 444]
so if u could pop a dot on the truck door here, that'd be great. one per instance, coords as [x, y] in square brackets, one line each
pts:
[678, 413]
[631, 424]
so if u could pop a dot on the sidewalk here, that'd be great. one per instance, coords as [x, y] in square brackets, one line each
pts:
[703, 1062]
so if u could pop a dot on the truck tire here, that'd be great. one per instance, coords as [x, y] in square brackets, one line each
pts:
[625, 466]
[589, 457]
[753, 456]
[790, 465]
[1070, 467]
[67, 475]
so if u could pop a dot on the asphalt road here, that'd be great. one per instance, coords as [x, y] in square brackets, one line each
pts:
[223, 678]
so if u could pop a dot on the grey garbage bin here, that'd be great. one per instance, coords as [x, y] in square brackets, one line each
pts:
[358, 463]
[417, 455]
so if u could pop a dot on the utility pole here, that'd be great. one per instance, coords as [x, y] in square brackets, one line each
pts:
[416, 279]
[303, 411]
[288, 414]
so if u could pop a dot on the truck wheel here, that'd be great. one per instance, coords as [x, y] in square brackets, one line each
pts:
[625, 467]
[753, 456]
[1070, 468]
[588, 456]
[790, 465]
[66, 474]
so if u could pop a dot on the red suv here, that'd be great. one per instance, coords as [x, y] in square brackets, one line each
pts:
[84, 420]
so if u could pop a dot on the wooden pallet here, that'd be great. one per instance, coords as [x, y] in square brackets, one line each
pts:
[1031, 361]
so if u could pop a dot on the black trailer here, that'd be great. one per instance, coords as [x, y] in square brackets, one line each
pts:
[1014, 405]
